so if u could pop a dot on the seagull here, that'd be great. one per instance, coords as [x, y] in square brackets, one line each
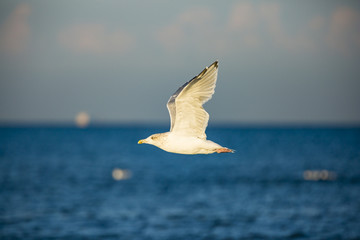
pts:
[189, 119]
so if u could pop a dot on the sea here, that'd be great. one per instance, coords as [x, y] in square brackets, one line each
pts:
[60, 182]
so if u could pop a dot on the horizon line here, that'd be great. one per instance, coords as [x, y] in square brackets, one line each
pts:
[241, 124]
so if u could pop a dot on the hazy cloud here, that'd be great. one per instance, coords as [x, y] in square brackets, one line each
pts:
[316, 23]
[15, 31]
[242, 30]
[344, 33]
[243, 25]
[171, 37]
[96, 39]
[243, 17]
[271, 14]
[252, 25]
[194, 23]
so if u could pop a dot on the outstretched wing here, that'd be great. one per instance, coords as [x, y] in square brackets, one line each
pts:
[187, 115]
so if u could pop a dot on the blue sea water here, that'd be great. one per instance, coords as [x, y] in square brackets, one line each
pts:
[58, 183]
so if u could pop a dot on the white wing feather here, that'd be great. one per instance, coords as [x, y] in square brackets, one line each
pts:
[188, 117]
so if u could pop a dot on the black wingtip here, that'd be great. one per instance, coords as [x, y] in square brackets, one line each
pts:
[202, 73]
[215, 64]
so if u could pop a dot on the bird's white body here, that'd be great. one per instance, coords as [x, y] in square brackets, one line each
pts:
[188, 118]
[182, 144]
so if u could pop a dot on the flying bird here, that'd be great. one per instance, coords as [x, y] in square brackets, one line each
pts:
[188, 117]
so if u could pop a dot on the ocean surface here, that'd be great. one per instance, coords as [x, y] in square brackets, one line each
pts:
[98, 183]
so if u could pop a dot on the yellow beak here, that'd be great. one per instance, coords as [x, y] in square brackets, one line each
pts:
[141, 141]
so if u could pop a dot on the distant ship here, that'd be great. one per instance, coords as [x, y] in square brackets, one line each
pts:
[82, 119]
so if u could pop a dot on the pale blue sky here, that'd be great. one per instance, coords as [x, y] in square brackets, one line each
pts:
[279, 61]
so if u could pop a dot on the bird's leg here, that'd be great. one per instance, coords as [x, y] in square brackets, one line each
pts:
[224, 150]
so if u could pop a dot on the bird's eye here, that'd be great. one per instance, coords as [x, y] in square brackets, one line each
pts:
[152, 137]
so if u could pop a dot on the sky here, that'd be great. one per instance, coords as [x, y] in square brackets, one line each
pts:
[280, 62]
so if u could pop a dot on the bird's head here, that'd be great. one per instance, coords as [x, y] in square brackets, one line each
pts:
[153, 139]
